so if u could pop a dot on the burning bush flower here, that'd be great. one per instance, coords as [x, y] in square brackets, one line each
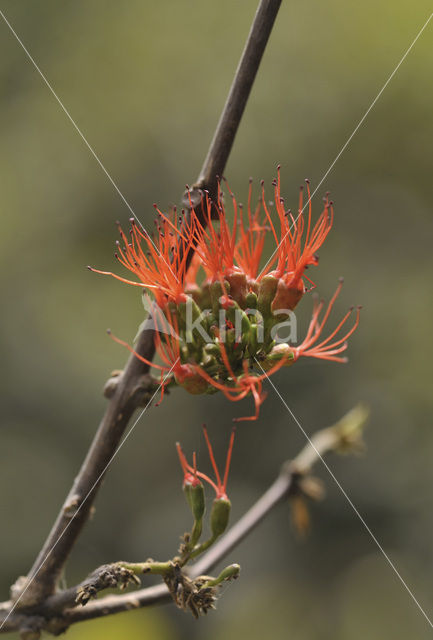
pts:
[220, 511]
[217, 318]
[161, 263]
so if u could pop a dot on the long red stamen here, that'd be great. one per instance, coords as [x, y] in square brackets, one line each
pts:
[190, 474]
[229, 458]
[327, 349]
[137, 355]
[221, 486]
[211, 456]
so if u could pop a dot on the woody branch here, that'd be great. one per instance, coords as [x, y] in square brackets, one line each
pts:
[61, 610]
[134, 387]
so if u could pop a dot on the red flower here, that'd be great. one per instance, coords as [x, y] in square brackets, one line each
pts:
[190, 477]
[229, 253]
[225, 252]
[168, 348]
[297, 241]
[326, 349]
[240, 386]
[160, 263]
[222, 252]
[190, 472]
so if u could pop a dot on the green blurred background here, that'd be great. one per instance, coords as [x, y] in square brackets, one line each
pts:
[146, 82]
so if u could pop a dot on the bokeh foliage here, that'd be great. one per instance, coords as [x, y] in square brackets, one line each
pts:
[145, 82]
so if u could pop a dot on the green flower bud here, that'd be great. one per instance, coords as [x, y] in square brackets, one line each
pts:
[253, 344]
[193, 318]
[219, 516]
[278, 352]
[234, 313]
[216, 291]
[267, 289]
[205, 297]
[251, 300]
[194, 494]
[196, 500]
[229, 573]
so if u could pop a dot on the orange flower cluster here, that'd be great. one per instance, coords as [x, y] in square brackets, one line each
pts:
[224, 284]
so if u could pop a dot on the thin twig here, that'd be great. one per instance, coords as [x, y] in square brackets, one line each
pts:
[59, 610]
[228, 124]
[131, 389]
[134, 383]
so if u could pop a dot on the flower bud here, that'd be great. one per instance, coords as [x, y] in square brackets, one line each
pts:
[278, 352]
[238, 287]
[238, 317]
[193, 382]
[216, 291]
[205, 301]
[194, 493]
[219, 516]
[287, 296]
[229, 573]
[191, 315]
[253, 343]
[267, 288]
[251, 300]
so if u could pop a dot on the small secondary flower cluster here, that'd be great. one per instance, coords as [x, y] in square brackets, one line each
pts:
[194, 493]
[218, 315]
